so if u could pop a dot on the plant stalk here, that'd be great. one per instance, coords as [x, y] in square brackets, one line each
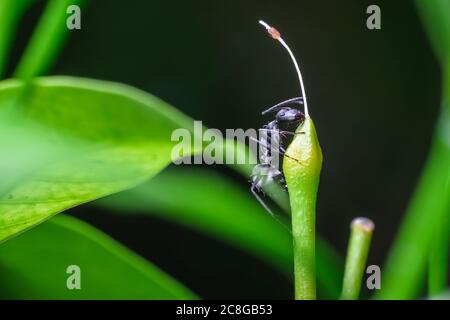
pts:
[301, 166]
[355, 263]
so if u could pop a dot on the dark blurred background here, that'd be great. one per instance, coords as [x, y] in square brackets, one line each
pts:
[374, 96]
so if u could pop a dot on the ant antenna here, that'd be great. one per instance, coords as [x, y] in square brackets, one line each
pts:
[275, 34]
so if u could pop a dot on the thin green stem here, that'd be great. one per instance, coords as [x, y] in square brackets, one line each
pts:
[47, 40]
[355, 263]
[303, 230]
[302, 165]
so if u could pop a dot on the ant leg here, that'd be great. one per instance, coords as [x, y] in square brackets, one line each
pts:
[261, 201]
[282, 151]
[283, 131]
[292, 133]
[263, 144]
[292, 158]
[296, 100]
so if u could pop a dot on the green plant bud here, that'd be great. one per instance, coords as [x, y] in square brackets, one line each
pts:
[302, 164]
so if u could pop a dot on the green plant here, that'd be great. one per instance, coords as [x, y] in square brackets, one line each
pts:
[72, 140]
[101, 259]
[66, 141]
[355, 263]
[302, 170]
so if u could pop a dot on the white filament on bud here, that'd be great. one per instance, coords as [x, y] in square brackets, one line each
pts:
[276, 35]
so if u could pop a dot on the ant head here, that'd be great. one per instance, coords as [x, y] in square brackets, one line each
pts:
[286, 115]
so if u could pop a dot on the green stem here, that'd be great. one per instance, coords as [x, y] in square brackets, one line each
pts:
[303, 230]
[47, 40]
[302, 165]
[355, 263]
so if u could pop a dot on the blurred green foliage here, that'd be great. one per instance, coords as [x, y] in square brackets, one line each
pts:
[33, 266]
[105, 137]
[212, 204]
[66, 141]
[428, 213]
[10, 13]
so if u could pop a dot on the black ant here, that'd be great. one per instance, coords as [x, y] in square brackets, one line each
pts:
[266, 172]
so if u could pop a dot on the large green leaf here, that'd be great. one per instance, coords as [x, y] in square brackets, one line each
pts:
[34, 266]
[212, 204]
[79, 140]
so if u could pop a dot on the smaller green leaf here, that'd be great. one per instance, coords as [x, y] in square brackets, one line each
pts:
[34, 266]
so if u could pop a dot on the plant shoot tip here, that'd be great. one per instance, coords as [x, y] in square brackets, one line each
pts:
[364, 224]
